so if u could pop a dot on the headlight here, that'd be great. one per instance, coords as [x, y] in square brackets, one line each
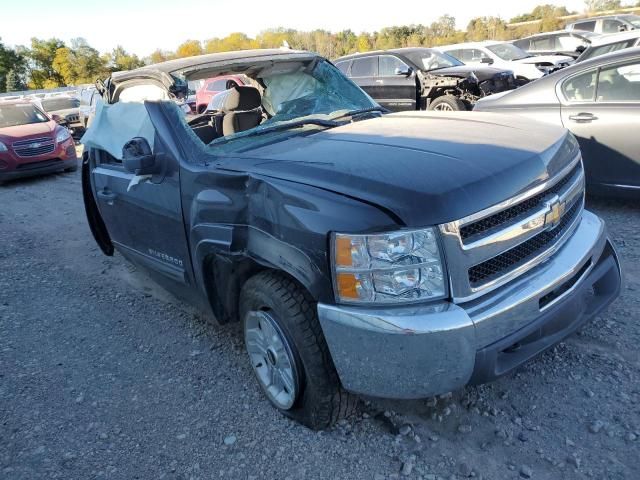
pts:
[63, 135]
[391, 268]
[3, 147]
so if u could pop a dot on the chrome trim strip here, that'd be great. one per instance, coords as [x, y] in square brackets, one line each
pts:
[528, 265]
[487, 212]
[523, 230]
[25, 143]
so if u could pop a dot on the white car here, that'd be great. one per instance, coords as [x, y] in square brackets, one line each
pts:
[611, 43]
[505, 55]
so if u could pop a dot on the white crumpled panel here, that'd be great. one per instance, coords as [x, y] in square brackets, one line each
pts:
[114, 125]
[282, 88]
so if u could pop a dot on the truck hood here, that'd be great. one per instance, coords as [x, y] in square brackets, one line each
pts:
[425, 167]
[463, 71]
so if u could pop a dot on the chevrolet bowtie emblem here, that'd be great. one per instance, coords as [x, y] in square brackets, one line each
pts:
[554, 215]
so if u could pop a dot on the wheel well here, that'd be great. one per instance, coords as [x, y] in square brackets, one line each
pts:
[224, 278]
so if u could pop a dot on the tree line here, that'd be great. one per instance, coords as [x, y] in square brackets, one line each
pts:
[52, 63]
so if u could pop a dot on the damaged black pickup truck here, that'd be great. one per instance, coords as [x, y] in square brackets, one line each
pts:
[423, 79]
[381, 254]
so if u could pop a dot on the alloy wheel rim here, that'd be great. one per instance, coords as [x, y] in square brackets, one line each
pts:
[271, 358]
[443, 107]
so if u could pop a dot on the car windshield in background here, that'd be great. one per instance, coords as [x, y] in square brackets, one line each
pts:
[508, 51]
[313, 93]
[431, 60]
[20, 114]
[633, 20]
[60, 103]
[602, 49]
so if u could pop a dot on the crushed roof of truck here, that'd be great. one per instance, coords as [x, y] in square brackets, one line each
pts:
[181, 65]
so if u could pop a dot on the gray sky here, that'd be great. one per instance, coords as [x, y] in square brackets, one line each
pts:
[141, 26]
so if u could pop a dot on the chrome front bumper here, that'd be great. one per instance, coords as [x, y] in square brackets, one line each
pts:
[419, 351]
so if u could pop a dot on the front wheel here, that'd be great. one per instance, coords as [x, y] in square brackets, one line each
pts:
[288, 352]
[447, 103]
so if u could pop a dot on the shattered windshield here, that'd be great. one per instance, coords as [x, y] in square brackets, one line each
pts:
[429, 60]
[508, 51]
[20, 114]
[297, 94]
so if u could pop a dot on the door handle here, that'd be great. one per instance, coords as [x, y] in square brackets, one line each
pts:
[379, 81]
[107, 195]
[583, 117]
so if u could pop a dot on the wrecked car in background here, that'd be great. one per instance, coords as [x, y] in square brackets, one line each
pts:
[525, 67]
[423, 79]
[64, 109]
[381, 254]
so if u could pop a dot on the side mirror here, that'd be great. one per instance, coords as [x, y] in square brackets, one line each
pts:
[56, 118]
[137, 157]
[623, 28]
[580, 48]
[487, 60]
[403, 71]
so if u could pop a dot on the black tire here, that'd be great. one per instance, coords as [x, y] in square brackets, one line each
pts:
[448, 102]
[71, 169]
[321, 401]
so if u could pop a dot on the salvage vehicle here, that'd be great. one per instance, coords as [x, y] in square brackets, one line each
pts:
[397, 255]
[64, 109]
[32, 143]
[598, 100]
[606, 24]
[526, 67]
[571, 44]
[611, 43]
[422, 79]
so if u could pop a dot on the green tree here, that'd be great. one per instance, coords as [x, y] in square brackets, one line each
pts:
[120, 59]
[10, 60]
[41, 56]
[14, 82]
[487, 28]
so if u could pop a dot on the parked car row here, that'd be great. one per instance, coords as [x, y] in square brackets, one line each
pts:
[398, 255]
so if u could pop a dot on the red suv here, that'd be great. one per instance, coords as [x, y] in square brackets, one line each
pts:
[31, 142]
[215, 85]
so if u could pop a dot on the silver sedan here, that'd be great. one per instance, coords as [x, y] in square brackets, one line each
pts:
[599, 102]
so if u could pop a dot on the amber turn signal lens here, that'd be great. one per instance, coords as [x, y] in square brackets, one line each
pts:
[343, 252]
[347, 285]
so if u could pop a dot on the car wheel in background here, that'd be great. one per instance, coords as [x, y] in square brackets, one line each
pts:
[288, 352]
[448, 103]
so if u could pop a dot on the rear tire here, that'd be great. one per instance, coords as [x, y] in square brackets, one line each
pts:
[448, 103]
[317, 400]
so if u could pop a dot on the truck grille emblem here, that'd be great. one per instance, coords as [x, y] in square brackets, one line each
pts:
[555, 213]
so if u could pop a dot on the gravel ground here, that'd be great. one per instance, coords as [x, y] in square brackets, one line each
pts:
[105, 375]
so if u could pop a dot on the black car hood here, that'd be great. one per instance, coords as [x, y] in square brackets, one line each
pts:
[427, 168]
[463, 71]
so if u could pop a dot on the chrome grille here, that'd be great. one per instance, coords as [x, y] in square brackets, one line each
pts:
[500, 218]
[513, 257]
[489, 248]
[34, 147]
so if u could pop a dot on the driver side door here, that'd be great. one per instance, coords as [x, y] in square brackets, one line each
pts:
[143, 213]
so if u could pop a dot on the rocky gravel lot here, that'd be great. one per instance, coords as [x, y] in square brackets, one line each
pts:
[104, 375]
